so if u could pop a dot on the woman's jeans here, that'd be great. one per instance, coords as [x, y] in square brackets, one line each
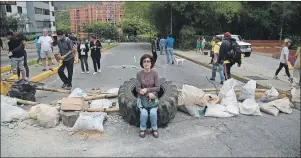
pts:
[144, 117]
[84, 62]
[221, 71]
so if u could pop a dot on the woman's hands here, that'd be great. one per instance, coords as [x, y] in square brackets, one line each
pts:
[151, 96]
[143, 91]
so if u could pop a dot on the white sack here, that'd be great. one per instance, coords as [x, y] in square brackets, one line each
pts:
[269, 108]
[248, 91]
[231, 83]
[192, 95]
[249, 107]
[8, 100]
[193, 110]
[295, 95]
[101, 103]
[11, 113]
[90, 121]
[217, 110]
[270, 95]
[230, 101]
[77, 93]
[210, 99]
[283, 105]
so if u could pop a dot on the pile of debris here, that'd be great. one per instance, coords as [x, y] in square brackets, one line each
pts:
[251, 101]
[79, 111]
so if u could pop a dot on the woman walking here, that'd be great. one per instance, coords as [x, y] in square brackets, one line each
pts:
[284, 61]
[83, 49]
[147, 87]
[95, 47]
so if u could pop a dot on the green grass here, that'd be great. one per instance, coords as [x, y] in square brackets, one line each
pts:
[108, 46]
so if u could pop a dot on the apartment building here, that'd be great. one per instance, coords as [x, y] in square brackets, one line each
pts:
[40, 15]
[107, 12]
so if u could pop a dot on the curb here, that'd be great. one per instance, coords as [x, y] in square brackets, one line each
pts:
[5, 68]
[235, 76]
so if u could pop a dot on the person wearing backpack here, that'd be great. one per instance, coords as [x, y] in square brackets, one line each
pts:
[229, 54]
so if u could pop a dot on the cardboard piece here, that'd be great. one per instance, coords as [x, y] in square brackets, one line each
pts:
[73, 104]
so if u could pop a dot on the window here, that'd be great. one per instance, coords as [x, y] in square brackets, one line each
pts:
[39, 24]
[46, 24]
[52, 13]
[52, 3]
[54, 23]
[8, 8]
[38, 11]
[46, 12]
[20, 10]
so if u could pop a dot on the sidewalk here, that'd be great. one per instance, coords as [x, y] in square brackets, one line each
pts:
[255, 65]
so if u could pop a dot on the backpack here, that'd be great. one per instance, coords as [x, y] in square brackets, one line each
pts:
[234, 55]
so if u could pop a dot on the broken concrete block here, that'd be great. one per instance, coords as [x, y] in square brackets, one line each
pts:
[69, 118]
[46, 115]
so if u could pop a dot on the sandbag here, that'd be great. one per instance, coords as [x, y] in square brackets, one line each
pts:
[269, 108]
[230, 83]
[101, 103]
[210, 99]
[217, 110]
[249, 107]
[90, 121]
[248, 91]
[283, 105]
[193, 95]
[230, 101]
[22, 89]
[10, 113]
[77, 93]
[45, 115]
[270, 95]
[295, 95]
[193, 110]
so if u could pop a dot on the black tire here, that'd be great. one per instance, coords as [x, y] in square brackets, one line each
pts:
[247, 54]
[168, 101]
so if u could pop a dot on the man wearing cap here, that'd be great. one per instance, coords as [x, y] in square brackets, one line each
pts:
[224, 49]
[216, 49]
[16, 54]
[284, 60]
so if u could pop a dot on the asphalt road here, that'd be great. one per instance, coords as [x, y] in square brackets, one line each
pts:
[264, 135]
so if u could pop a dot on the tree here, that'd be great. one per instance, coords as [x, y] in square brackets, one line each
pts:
[15, 22]
[63, 27]
[101, 30]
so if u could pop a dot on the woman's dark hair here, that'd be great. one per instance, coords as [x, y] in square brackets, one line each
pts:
[93, 36]
[59, 32]
[147, 56]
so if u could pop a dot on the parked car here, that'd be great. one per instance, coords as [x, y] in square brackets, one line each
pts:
[246, 48]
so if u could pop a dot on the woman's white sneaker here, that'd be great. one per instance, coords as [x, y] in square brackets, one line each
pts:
[88, 72]
[99, 70]
[94, 73]
[83, 72]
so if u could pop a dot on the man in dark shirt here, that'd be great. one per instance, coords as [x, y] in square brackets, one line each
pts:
[16, 54]
[222, 59]
[66, 50]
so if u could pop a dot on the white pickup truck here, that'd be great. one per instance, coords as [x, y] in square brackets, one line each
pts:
[245, 47]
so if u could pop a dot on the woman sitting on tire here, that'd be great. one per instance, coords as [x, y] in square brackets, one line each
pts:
[147, 88]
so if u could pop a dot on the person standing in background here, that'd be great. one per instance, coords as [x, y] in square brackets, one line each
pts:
[46, 45]
[95, 47]
[83, 49]
[22, 38]
[284, 61]
[67, 56]
[16, 54]
[297, 67]
[212, 50]
[215, 64]
[154, 49]
[170, 45]
[198, 45]
[162, 45]
[203, 45]
[38, 48]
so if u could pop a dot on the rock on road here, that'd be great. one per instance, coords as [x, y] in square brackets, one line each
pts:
[264, 135]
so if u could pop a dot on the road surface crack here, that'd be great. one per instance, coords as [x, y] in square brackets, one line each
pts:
[231, 154]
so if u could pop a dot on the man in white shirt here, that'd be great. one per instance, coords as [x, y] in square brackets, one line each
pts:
[284, 60]
[46, 45]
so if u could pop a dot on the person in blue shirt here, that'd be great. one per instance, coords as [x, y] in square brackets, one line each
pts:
[162, 45]
[38, 47]
[169, 44]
